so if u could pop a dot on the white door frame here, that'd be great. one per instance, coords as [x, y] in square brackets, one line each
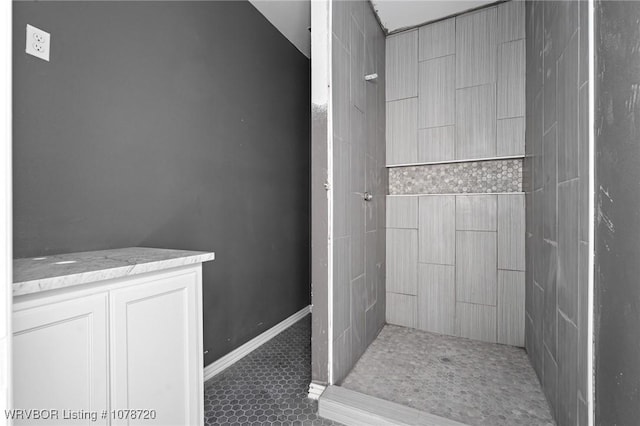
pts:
[6, 224]
[322, 192]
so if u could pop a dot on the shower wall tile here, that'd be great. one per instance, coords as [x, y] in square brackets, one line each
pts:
[583, 412]
[343, 353]
[550, 186]
[436, 94]
[401, 309]
[510, 322]
[511, 232]
[539, 275]
[380, 205]
[373, 185]
[476, 122]
[402, 65]
[563, 19]
[476, 48]
[468, 275]
[534, 32]
[556, 70]
[567, 101]
[567, 371]
[488, 87]
[381, 302]
[357, 235]
[358, 309]
[341, 89]
[341, 288]
[402, 131]
[583, 17]
[436, 144]
[436, 298]
[549, 91]
[511, 74]
[492, 176]
[445, 108]
[538, 321]
[371, 273]
[371, 323]
[583, 170]
[341, 20]
[358, 13]
[359, 238]
[341, 167]
[476, 274]
[358, 150]
[550, 380]
[510, 136]
[534, 137]
[438, 39]
[511, 21]
[371, 95]
[436, 229]
[476, 212]
[568, 239]
[357, 67]
[584, 339]
[402, 212]
[402, 265]
[550, 313]
[381, 239]
[476, 321]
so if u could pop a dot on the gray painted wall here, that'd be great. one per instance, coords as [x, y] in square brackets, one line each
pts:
[617, 293]
[169, 124]
[556, 176]
[359, 159]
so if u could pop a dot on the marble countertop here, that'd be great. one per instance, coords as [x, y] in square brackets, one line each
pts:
[32, 275]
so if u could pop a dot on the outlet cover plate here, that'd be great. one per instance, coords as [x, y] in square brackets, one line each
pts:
[38, 42]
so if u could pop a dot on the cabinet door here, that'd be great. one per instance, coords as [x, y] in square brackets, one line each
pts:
[60, 358]
[156, 349]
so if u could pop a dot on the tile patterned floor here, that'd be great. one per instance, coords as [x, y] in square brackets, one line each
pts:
[268, 386]
[464, 380]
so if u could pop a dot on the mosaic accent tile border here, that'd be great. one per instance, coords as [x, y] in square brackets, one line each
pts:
[489, 176]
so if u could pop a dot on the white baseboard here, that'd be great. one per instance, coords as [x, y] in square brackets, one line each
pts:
[237, 354]
[315, 390]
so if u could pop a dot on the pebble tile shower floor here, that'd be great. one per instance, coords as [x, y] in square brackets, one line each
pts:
[268, 386]
[472, 382]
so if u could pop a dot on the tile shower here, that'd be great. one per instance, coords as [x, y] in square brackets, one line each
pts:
[556, 178]
[455, 141]
[475, 265]
[359, 168]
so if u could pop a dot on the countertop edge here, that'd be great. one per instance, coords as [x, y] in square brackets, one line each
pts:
[63, 281]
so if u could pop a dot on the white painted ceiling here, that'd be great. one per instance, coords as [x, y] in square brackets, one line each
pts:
[398, 14]
[293, 17]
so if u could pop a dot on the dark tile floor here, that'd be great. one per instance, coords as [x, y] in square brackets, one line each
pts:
[268, 386]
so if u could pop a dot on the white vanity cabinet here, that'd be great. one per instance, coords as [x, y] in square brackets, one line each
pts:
[61, 357]
[126, 350]
[156, 349]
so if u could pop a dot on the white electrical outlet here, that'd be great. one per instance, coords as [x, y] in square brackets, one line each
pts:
[38, 42]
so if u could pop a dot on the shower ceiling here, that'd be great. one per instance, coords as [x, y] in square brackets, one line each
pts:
[293, 17]
[397, 14]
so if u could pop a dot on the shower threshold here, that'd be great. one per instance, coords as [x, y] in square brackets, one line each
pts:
[413, 377]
